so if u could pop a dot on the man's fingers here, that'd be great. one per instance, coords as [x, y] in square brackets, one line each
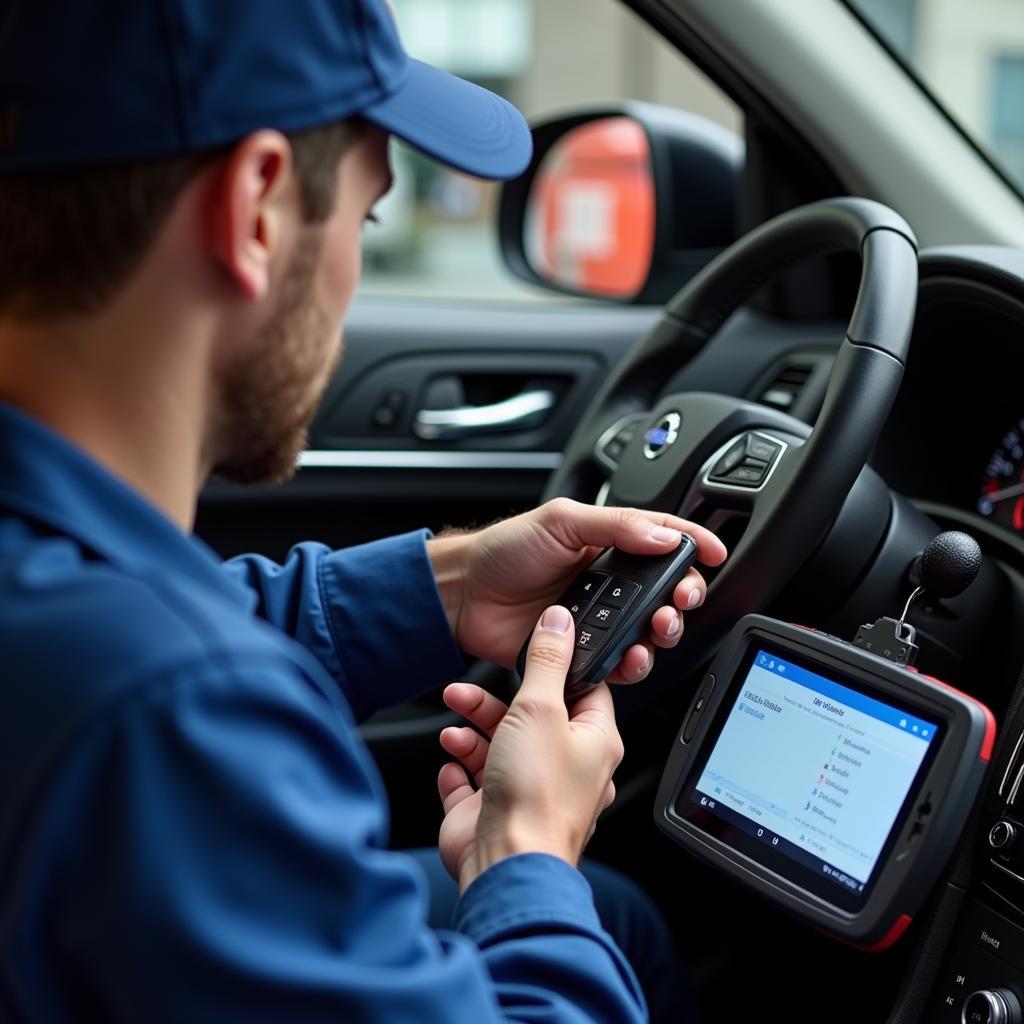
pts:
[634, 665]
[691, 591]
[548, 657]
[596, 708]
[666, 628]
[609, 796]
[469, 747]
[481, 708]
[638, 531]
[453, 786]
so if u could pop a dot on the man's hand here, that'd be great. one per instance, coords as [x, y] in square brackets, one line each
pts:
[544, 772]
[495, 582]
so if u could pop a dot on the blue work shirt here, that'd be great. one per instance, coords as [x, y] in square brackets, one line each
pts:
[190, 826]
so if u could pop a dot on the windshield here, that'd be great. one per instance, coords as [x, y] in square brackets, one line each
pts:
[970, 56]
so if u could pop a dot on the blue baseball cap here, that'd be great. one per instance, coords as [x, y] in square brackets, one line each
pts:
[98, 81]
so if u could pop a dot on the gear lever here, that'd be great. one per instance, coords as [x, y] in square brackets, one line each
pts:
[946, 567]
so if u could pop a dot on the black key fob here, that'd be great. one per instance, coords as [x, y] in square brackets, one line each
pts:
[612, 602]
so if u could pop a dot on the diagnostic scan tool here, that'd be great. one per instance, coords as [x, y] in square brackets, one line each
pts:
[831, 779]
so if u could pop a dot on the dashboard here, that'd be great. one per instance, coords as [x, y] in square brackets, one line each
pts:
[956, 434]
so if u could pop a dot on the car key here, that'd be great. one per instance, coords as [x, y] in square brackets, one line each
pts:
[611, 603]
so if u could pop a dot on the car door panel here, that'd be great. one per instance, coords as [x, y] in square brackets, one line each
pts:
[359, 480]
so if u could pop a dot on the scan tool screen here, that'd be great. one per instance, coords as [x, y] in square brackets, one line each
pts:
[813, 771]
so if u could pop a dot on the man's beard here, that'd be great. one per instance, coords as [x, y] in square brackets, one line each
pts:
[268, 399]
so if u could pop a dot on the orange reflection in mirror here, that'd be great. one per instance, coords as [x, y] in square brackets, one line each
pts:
[590, 216]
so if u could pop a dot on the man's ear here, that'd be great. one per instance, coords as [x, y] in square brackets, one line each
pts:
[247, 210]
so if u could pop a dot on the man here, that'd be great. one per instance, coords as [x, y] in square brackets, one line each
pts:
[190, 828]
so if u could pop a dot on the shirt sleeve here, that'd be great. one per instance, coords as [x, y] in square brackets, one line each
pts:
[371, 614]
[229, 865]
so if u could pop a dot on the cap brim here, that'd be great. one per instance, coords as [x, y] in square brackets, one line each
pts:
[464, 126]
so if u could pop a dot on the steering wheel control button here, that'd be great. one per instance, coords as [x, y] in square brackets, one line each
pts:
[747, 462]
[1001, 836]
[589, 638]
[750, 474]
[612, 443]
[731, 459]
[662, 435]
[619, 593]
[602, 615]
[761, 448]
[616, 445]
[704, 692]
[614, 449]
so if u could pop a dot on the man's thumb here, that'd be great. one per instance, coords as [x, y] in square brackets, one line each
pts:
[549, 654]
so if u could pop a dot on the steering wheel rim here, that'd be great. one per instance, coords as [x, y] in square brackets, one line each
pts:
[788, 518]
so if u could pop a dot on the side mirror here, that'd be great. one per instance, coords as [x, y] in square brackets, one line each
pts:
[625, 202]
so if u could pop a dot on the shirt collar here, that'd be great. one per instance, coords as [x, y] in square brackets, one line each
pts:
[46, 478]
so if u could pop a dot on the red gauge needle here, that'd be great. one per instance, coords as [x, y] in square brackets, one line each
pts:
[1006, 492]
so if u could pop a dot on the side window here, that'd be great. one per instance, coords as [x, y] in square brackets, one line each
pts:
[971, 57]
[1008, 112]
[436, 238]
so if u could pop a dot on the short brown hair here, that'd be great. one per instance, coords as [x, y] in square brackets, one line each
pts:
[70, 238]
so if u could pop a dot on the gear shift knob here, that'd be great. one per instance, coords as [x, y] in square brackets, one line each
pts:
[948, 565]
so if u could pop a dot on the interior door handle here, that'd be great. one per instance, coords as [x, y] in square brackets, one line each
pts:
[519, 412]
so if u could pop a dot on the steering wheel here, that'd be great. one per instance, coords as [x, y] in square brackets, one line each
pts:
[700, 454]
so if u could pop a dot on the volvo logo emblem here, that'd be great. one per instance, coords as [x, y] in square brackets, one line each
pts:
[658, 439]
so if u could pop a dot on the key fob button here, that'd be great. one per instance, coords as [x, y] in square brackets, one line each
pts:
[579, 598]
[603, 615]
[591, 584]
[619, 593]
[589, 637]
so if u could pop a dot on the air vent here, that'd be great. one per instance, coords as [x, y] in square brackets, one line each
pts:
[786, 386]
